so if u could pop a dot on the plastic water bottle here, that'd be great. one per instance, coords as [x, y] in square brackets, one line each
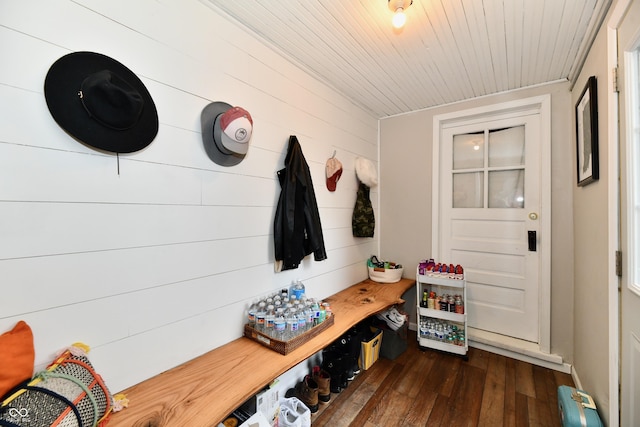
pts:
[260, 316]
[310, 315]
[279, 325]
[292, 325]
[302, 322]
[269, 320]
[316, 313]
[251, 314]
[297, 289]
[323, 314]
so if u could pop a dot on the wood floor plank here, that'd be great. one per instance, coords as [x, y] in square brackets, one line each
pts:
[420, 411]
[413, 376]
[442, 375]
[465, 402]
[497, 367]
[542, 377]
[522, 410]
[429, 388]
[371, 408]
[539, 414]
[344, 406]
[563, 379]
[478, 358]
[379, 371]
[550, 393]
[493, 396]
[437, 415]
[510, 393]
[524, 379]
[391, 409]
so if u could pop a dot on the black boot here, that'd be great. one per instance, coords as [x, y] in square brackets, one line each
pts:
[334, 363]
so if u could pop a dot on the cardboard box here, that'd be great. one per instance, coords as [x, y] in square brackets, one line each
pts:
[257, 420]
[370, 350]
[268, 404]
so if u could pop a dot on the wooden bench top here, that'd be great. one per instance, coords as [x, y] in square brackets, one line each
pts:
[205, 390]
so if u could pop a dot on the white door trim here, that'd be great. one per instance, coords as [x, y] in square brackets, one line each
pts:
[542, 105]
[615, 19]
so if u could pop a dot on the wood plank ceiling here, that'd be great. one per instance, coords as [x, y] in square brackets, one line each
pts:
[449, 50]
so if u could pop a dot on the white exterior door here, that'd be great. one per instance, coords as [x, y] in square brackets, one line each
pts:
[489, 218]
[629, 133]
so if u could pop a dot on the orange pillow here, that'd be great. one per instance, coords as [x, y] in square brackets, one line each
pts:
[17, 356]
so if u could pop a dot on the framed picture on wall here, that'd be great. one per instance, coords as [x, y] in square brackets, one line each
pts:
[587, 134]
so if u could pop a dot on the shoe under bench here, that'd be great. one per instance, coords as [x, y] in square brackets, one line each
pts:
[204, 391]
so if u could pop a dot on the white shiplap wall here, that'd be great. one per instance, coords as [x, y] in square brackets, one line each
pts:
[156, 265]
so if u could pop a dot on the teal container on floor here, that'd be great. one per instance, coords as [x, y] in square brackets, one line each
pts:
[577, 408]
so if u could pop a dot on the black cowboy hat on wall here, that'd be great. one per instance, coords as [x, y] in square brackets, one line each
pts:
[100, 102]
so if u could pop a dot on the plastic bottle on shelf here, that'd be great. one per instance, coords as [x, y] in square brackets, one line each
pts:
[323, 314]
[297, 289]
[287, 308]
[260, 316]
[310, 314]
[279, 324]
[269, 320]
[251, 314]
[327, 309]
[292, 325]
[302, 321]
[315, 307]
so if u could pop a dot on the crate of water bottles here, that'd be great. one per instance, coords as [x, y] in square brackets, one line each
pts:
[287, 319]
[444, 331]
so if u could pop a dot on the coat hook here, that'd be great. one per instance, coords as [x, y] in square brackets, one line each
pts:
[334, 154]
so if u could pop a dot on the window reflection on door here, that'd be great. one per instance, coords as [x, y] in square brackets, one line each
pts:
[488, 169]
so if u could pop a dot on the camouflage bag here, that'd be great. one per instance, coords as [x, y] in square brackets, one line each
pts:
[363, 221]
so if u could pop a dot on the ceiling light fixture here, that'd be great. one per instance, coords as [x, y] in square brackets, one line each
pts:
[398, 7]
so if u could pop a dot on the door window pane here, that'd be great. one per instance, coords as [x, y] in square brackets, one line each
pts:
[506, 189]
[468, 190]
[506, 147]
[468, 151]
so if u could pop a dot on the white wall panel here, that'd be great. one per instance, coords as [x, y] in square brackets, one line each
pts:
[152, 257]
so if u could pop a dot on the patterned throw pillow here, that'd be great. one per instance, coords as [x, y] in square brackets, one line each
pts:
[69, 393]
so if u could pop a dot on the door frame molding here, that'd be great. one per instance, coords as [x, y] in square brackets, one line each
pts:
[539, 105]
[613, 23]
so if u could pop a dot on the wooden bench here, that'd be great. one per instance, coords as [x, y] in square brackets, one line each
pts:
[205, 390]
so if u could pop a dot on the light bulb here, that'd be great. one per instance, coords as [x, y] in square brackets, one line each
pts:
[399, 18]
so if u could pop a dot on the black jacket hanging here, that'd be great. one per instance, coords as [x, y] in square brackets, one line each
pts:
[297, 228]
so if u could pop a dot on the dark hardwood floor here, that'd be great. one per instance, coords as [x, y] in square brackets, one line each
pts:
[429, 388]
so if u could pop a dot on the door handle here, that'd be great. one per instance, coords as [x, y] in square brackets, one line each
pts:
[533, 244]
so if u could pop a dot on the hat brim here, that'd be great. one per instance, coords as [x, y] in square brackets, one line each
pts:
[61, 87]
[212, 135]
